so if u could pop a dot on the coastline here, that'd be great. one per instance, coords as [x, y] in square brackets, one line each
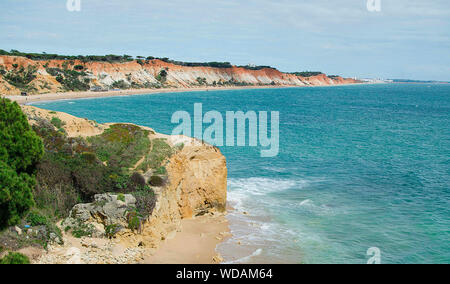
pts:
[198, 240]
[89, 94]
[23, 100]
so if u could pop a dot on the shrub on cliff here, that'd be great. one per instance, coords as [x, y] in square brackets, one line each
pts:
[137, 180]
[145, 201]
[157, 181]
[20, 151]
[307, 73]
[15, 258]
[16, 196]
[21, 77]
[162, 76]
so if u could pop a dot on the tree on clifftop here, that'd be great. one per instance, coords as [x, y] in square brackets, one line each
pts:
[20, 151]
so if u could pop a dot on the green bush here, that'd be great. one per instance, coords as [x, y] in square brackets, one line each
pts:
[20, 147]
[121, 84]
[15, 258]
[89, 157]
[201, 81]
[162, 76]
[145, 201]
[135, 220]
[112, 230]
[36, 219]
[157, 181]
[138, 180]
[20, 151]
[121, 197]
[16, 196]
[57, 122]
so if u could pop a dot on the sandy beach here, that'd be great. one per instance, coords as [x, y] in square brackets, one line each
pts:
[195, 244]
[89, 94]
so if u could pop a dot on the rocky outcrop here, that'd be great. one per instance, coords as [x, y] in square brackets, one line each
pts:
[104, 217]
[197, 181]
[198, 175]
[145, 75]
[197, 185]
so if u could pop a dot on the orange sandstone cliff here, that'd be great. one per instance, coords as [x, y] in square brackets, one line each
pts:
[18, 74]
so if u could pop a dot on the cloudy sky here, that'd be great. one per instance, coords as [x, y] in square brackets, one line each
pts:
[406, 39]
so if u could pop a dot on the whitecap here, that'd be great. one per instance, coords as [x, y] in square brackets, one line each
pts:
[305, 202]
[311, 207]
[247, 258]
[263, 186]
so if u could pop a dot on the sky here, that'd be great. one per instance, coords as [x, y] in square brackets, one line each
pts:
[407, 39]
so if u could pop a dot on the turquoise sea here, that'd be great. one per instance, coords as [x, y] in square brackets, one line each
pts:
[359, 167]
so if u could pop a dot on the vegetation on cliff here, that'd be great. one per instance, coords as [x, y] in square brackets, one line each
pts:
[88, 58]
[70, 79]
[21, 77]
[20, 151]
[15, 258]
[44, 173]
[111, 58]
[36, 73]
[307, 73]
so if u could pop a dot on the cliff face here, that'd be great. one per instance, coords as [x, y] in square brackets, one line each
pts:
[144, 75]
[197, 186]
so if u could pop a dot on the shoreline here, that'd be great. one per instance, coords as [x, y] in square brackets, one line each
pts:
[131, 92]
[24, 100]
[195, 243]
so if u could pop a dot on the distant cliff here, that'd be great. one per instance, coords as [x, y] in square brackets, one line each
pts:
[20, 74]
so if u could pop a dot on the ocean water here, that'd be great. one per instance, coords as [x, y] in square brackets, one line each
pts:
[359, 167]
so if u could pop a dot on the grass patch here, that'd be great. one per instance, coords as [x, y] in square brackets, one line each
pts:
[122, 145]
[15, 258]
[154, 160]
